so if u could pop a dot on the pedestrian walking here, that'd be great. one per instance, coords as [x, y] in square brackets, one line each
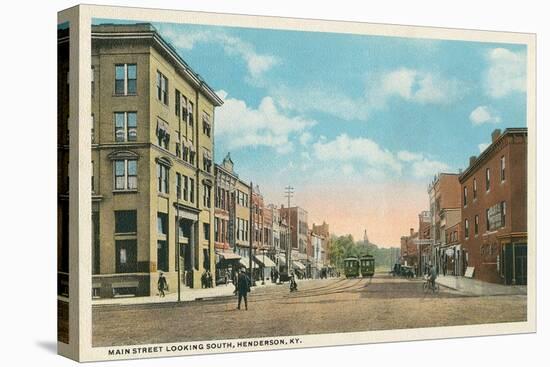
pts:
[209, 279]
[243, 288]
[162, 285]
[203, 279]
[293, 284]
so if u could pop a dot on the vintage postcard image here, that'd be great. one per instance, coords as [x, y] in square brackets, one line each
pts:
[253, 186]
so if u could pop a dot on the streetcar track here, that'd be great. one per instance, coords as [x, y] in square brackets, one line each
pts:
[339, 286]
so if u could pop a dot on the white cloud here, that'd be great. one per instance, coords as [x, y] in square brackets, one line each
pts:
[364, 156]
[345, 149]
[484, 115]
[411, 85]
[483, 146]
[240, 125]
[347, 169]
[422, 166]
[256, 63]
[407, 156]
[427, 168]
[305, 138]
[506, 73]
[320, 98]
[414, 86]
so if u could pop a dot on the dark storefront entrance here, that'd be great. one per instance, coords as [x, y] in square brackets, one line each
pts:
[515, 263]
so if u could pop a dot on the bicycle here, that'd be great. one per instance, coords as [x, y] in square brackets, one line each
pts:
[429, 285]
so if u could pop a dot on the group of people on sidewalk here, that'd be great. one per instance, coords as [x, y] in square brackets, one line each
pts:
[206, 279]
[241, 281]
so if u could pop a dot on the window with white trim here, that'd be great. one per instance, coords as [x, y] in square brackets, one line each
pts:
[162, 178]
[206, 125]
[125, 126]
[162, 88]
[207, 195]
[125, 174]
[125, 79]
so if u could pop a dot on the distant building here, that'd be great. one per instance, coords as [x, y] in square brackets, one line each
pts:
[323, 231]
[494, 209]
[297, 220]
[409, 249]
[231, 217]
[425, 243]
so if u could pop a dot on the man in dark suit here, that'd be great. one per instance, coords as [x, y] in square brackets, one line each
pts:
[243, 287]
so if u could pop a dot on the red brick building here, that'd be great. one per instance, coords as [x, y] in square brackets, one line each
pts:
[494, 209]
[453, 262]
[258, 211]
[444, 192]
[409, 249]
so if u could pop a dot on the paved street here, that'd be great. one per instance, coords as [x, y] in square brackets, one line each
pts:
[320, 306]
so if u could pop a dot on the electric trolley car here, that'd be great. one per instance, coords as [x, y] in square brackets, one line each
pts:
[367, 266]
[351, 267]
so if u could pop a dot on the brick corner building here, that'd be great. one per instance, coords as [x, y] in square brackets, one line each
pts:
[494, 209]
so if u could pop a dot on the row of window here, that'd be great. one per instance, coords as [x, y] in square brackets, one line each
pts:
[125, 172]
[223, 199]
[126, 84]
[221, 230]
[495, 218]
[183, 107]
[185, 187]
[126, 250]
[487, 182]
[242, 229]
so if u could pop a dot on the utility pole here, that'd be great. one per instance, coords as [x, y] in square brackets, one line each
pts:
[252, 230]
[366, 241]
[289, 193]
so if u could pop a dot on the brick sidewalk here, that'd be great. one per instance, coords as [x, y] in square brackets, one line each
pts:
[480, 288]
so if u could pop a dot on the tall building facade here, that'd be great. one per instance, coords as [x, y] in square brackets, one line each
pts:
[298, 229]
[152, 157]
[444, 193]
[494, 209]
[231, 217]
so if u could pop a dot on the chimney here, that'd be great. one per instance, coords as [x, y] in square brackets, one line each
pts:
[472, 160]
[495, 135]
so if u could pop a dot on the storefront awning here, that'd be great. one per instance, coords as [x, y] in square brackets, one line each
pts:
[298, 256]
[282, 259]
[229, 256]
[265, 261]
[245, 261]
[298, 265]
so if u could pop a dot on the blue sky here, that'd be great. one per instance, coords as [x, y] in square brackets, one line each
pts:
[333, 113]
